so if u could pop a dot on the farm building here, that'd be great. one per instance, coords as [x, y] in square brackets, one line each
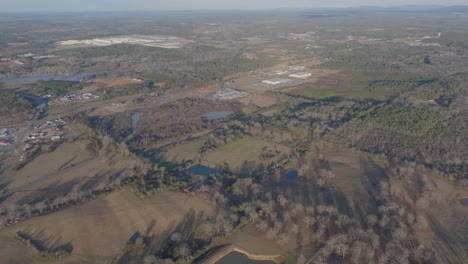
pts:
[300, 75]
[277, 81]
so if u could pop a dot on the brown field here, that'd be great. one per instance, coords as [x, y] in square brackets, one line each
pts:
[47, 163]
[261, 100]
[8, 63]
[92, 174]
[98, 230]
[53, 60]
[116, 81]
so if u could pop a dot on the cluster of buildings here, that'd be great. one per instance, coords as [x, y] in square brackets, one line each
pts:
[7, 132]
[168, 42]
[226, 94]
[4, 142]
[48, 131]
[277, 81]
[74, 98]
[283, 82]
[6, 136]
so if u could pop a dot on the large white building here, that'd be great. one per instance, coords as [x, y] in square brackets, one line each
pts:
[277, 81]
[300, 75]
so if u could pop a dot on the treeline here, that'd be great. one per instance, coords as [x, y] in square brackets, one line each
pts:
[146, 87]
[55, 88]
[11, 103]
[38, 247]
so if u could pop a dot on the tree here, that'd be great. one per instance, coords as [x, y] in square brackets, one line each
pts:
[182, 251]
[301, 259]
[341, 249]
[283, 238]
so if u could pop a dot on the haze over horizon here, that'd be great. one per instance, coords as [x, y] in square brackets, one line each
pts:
[159, 5]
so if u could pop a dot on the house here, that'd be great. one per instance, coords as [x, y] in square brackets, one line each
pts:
[193, 187]
[56, 137]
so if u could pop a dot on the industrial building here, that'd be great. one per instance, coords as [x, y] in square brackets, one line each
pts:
[300, 75]
[277, 81]
[226, 94]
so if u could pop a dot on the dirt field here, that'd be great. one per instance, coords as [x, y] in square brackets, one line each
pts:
[98, 230]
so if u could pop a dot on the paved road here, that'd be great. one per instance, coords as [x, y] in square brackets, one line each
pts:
[4, 195]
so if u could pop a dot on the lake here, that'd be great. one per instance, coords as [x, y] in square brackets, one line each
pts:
[56, 77]
[201, 170]
[237, 258]
[216, 115]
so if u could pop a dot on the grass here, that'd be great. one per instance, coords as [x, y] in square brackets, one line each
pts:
[245, 148]
[361, 85]
[184, 151]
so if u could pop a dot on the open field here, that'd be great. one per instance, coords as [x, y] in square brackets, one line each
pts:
[244, 149]
[261, 100]
[47, 163]
[184, 151]
[358, 85]
[98, 230]
[116, 81]
[54, 173]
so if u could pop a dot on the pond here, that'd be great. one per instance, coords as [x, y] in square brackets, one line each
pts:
[27, 79]
[291, 175]
[201, 170]
[135, 118]
[236, 258]
[464, 201]
[216, 115]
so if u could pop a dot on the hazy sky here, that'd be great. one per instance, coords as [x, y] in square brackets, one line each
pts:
[114, 5]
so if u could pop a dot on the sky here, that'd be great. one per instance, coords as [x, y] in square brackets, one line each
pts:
[119, 5]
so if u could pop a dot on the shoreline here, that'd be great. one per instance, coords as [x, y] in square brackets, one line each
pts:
[277, 259]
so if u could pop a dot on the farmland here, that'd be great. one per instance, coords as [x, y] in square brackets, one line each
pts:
[331, 136]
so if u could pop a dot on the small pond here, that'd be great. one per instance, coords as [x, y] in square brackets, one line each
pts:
[135, 118]
[237, 258]
[291, 175]
[216, 115]
[464, 201]
[201, 170]
[27, 79]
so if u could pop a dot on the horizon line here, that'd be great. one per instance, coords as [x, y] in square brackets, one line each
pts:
[438, 6]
